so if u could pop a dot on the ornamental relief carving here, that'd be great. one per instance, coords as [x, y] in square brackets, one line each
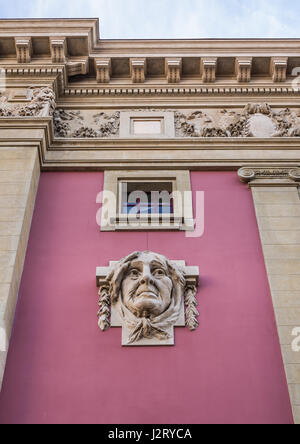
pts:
[40, 104]
[78, 124]
[255, 120]
[145, 294]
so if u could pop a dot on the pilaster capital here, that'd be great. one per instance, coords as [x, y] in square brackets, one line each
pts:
[270, 175]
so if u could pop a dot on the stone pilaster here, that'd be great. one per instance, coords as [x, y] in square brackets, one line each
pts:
[19, 176]
[277, 205]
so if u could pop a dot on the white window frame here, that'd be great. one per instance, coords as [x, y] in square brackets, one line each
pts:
[112, 218]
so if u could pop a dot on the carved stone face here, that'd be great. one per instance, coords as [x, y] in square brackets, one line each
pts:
[147, 288]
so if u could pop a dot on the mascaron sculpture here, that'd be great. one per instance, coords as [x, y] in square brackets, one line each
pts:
[145, 294]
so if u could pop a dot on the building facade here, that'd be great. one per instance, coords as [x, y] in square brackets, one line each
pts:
[91, 130]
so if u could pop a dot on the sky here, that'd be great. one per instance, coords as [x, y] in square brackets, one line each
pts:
[159, 19]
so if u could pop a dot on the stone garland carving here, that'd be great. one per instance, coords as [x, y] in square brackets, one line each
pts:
[149, 292]
[256, 120]
[42, 104]
[62, 119]
[104, 125]
[104, 308]
[191, 312]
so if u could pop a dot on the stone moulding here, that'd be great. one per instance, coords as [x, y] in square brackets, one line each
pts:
[180, 91]
[144, 322]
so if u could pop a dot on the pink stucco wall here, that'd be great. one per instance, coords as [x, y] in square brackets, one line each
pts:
[61, 368]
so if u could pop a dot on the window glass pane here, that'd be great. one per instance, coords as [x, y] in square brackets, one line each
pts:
[156, 201]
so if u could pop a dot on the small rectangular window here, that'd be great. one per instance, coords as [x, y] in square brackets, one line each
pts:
[147, 200]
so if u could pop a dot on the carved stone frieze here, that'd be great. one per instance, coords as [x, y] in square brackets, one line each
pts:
[145, 294]
[42, 104]
[255, 120]
[75, 124]
[62, 119]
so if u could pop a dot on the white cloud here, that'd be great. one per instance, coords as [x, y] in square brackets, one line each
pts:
[171, 18]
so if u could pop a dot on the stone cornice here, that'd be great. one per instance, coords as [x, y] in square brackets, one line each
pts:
[75, 45]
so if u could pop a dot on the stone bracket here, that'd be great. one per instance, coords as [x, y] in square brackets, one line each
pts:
[279, 68]
[208, 69]
[23, 49]
[243, 66]
[58, 50]
[173, 69]
[103, 70]
[138, 69]
[80, 67]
